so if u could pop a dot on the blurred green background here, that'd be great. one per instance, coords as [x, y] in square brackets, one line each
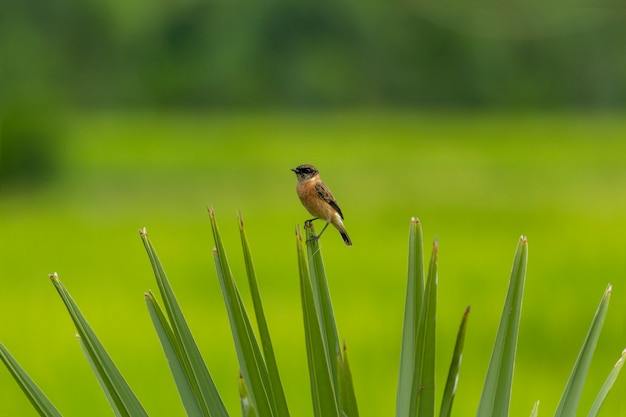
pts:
[486, 122]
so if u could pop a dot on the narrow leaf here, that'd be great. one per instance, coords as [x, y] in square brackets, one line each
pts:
[249, 355]
[323, 392]
[118, 412]
[174, 354]
[535, 411]
[496, 394]
[247, 408]
[346, 389]
[323, 304]
[606, 387]
[573, 389]
[200, 380]
[453, 374]
[37, 398]
[413, 302]
[276, 386]
[423, 395]
[122, 398]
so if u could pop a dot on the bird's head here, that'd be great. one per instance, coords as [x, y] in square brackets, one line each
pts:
[305, 172]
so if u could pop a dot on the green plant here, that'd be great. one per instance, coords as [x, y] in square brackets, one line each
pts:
[332, 390]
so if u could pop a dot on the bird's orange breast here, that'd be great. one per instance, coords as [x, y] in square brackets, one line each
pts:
[313, 202]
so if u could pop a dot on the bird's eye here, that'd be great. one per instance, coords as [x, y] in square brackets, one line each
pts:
[307, 170]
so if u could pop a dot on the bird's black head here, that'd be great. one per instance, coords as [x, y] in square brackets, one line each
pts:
[305, 172]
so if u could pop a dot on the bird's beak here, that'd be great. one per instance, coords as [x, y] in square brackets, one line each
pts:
[294, 170]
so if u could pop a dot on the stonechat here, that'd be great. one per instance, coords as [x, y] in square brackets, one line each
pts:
[318, 200]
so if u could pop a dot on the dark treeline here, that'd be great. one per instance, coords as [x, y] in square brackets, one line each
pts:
[309, 53]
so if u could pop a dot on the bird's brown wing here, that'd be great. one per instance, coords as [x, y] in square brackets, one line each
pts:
[327, 196]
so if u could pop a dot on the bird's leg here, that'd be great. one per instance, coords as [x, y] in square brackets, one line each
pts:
[314, 238]
[309, 222]
[324, 228]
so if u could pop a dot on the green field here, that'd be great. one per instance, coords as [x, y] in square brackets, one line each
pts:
[477, 182]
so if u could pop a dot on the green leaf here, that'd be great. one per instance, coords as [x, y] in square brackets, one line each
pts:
[323, 304]
[200, 380]
[414, 296]
[276, 386]
[535, 411]
[121, 397]
[323, 392]
[247, 408]
[606, 387]
[118, 412]
[36, 397]
[175, 358]
[496, 394]
[453, 374]
[423, 395]
[346, 389]
[248, 352]
[571, 395]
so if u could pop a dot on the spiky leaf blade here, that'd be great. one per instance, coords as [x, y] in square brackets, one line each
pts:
[323, 303]
[423, 396]
[571, 394]
[174, 354]
[413, 302]
[116, 410]
[247, 407]
[323, 391]
[278, 394]
[346, 388]
[37, 398]
[453, 373]
[121, 396]
[496, 394]
[606, 387]
[201, 382]
[249, 355]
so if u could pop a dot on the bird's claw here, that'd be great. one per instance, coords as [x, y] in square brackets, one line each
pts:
[313, 238]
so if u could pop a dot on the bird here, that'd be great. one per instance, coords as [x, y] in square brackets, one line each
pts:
[318, 200]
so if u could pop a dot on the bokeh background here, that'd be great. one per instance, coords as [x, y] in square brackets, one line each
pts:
[486, 121]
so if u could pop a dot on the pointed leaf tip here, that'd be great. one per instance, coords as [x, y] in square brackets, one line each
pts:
[240, 218]
[143, 232]
[54, 276]
[415, 220]
[523, 239]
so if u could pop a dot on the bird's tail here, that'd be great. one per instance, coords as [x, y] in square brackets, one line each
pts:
[342, 230]
[346, 238]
